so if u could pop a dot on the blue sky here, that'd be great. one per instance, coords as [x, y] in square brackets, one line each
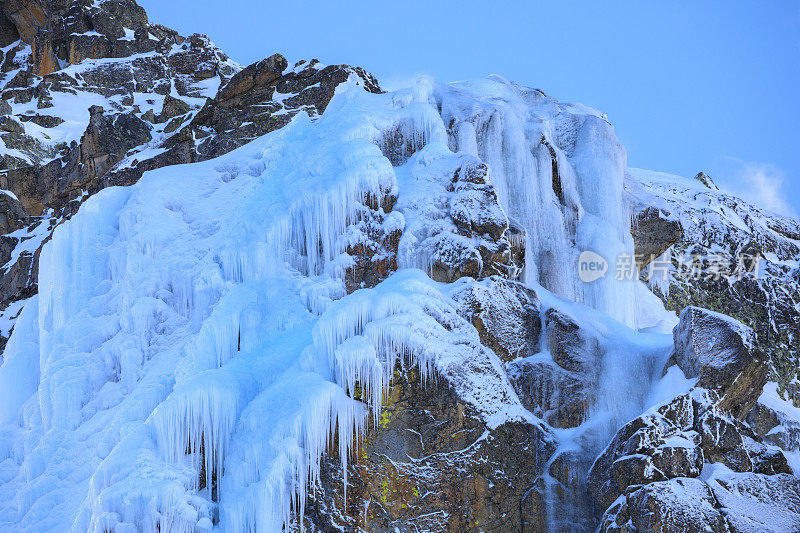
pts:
[689, 86]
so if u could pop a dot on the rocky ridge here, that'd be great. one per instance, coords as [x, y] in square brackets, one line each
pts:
[695, 227]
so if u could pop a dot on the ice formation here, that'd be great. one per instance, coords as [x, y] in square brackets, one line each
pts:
[197, 351]
[575, 196]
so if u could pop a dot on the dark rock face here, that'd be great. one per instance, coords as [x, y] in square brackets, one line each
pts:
[743, 503]
[648, 449]
[675, 441]
[373, 248]
[173, 107]
[653, 232]
[108, 139]
[72, 31]
[26, 16]
[560, 389]
[12, 215]
[431, 465]
[678, 505]
[720, 352]
[264, 97]
[506, 315]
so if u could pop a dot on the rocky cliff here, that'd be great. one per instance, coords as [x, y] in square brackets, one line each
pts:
[313, 305]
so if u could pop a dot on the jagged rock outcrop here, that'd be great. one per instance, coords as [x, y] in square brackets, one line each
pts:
[643, 479]
[261, 98]
[740, 503]
[732, 258]
[12, 215]
[432, 465]
[653, 232]
[501, 395]
[156, 104]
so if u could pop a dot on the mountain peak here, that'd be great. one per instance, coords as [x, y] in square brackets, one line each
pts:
[706, 180]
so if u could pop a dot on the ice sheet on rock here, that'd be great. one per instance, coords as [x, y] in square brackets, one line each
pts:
[559, 174]
[197, 352]
[182, 365]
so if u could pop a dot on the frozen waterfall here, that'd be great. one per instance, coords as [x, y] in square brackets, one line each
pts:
[191, 329]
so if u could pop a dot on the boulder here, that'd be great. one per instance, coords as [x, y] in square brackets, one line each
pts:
[727, 502]
[766, 458]
[653, 232]
[762, 419]
[683, 504]
[474, 206]
[721, 352]
[173, 107]
[722, 441]
[505, 313]
[569, 345]
[758, 503]
[659, 445]
[260, 74]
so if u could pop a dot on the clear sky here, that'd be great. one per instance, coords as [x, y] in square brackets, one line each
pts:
[689, 86]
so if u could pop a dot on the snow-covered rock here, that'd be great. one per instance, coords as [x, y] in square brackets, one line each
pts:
[732, 257]
[726, 502]
[720, 352]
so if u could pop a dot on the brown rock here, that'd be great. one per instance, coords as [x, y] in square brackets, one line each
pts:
[653, 232]
[260, 74]
[506, 315]
[681, 504]
[173, 107]
[44, 58]
[427, 466]
[12, 215]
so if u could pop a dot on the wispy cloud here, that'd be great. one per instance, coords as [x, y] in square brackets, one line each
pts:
[762, 184]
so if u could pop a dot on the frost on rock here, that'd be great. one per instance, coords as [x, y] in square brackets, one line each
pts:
[202, 338]
[726, 501]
